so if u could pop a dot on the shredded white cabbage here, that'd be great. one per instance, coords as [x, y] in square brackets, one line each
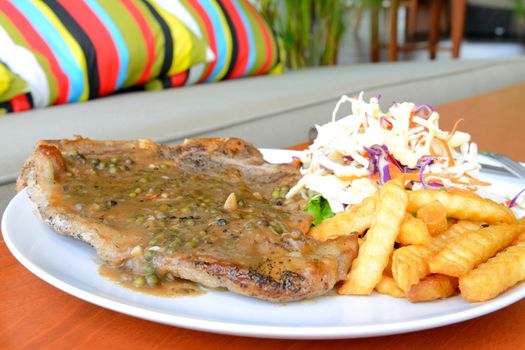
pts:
[338, 166]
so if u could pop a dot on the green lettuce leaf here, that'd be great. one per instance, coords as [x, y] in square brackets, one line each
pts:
[319, 208]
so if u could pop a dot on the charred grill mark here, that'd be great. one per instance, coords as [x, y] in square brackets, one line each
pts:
[288, 282]
[292, 281]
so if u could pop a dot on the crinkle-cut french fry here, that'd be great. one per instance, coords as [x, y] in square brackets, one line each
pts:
[410, 263]
[388, 286]
[413, 231]
[356, 218]
[367, 269]
[461, 206]
[498, 274]
[471, 249]
[433, 287]
[434, 215]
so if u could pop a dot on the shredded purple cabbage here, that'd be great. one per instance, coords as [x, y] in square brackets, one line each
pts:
[515, 199]
[384, 120]
[393, 160]
[423, 163]
[372, 154]
[384, 170]
[426, 107]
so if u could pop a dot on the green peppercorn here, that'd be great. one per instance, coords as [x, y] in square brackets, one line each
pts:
[133, 195]
[152, 280]
[278, 228]
[139, 281]
[148, 255]
[149, 269]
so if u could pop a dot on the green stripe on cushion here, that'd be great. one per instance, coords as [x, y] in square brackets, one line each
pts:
[11, 85]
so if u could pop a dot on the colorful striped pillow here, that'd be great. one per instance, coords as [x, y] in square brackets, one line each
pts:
[241, 40]
[72, 51]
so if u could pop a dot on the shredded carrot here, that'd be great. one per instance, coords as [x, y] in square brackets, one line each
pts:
[461, 190]
[454, 128]
[473, 181]
[394, 170]
[411, 118]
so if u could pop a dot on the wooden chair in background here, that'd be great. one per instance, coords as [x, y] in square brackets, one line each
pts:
[457, 25]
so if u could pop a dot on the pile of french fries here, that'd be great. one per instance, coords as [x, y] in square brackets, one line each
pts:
[429, 244]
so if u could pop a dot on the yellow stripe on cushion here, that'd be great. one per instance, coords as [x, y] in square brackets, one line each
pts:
[188, 48]
[74, 47]
[4, 79]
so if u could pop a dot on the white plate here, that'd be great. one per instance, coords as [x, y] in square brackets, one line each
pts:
[71, 266]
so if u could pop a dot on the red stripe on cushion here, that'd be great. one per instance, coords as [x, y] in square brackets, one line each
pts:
[243, 45]
[148, 37]
[210, 33]
[267, 39]
[179, 79]
[38, 44]
[105, 50]
[20, 103]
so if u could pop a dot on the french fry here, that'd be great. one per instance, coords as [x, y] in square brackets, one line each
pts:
[367, 268]
[461, 206]
[434, 215]
[495, 276]
[356, 218]
[413, 231]
[410, 263]
[433, 287]
[388, 286]
[521, 236]
[471, 249]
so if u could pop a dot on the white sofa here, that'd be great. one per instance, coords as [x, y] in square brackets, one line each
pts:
[269, 111]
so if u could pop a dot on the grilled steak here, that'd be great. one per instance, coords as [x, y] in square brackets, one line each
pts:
[208, 210]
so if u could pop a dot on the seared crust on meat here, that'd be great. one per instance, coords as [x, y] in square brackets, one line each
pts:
[294, 274]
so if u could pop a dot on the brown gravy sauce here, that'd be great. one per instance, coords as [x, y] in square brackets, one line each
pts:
[174, 288]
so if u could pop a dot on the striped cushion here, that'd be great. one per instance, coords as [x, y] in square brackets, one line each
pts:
[72, 51]
[241, 40]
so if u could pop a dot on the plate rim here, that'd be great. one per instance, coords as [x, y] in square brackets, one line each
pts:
[251, 330]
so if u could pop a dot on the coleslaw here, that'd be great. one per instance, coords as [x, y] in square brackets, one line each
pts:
[352, 156]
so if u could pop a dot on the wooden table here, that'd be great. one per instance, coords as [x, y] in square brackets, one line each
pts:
[35, 315]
